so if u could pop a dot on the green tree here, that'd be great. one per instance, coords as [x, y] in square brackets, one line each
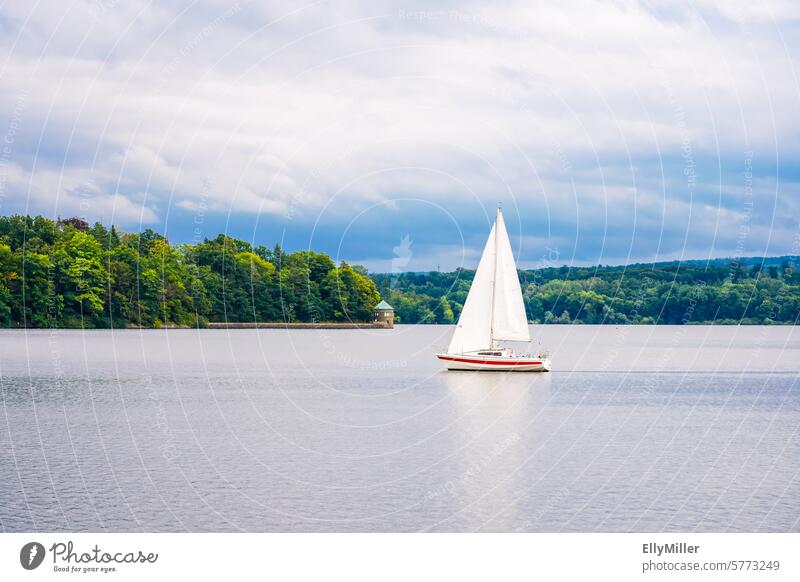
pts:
[80, 276]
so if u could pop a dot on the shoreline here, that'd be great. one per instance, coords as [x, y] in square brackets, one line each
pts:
[297, 325]
[377, 325]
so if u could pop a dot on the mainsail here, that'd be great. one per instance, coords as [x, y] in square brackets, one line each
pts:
[494, 309]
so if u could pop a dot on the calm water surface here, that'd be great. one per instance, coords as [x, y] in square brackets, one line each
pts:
[636, 429]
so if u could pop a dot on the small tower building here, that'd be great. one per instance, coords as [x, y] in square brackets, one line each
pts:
[384, 313]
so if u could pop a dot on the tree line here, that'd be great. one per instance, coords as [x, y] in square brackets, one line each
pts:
[66, 273]
[721, 292]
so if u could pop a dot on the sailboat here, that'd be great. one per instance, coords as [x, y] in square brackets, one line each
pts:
[493, 312]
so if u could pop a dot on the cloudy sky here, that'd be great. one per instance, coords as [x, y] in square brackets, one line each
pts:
[387, 133]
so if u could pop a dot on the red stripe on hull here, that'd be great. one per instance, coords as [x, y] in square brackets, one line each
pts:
[493, 362]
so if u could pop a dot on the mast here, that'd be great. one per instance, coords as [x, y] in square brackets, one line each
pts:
[494, 282]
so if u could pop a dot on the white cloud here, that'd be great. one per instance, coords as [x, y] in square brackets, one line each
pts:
[68, 193]
[282, 106]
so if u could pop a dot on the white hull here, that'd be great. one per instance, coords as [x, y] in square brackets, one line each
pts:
[484, 363]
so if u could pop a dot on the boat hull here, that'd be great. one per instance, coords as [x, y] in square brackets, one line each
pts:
[494, 363]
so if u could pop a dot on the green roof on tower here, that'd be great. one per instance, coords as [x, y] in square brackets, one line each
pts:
[383, 305]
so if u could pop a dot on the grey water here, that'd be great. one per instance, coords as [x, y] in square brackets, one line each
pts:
[638, 428]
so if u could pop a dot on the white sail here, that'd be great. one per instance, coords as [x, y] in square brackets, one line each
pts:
[510, 322]
[494, 309]
[474, 327]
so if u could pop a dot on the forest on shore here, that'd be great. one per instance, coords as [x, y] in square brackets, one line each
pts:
[67, 273]
[727, 292]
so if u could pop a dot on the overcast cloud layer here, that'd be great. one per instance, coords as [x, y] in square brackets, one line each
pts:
[386, 133]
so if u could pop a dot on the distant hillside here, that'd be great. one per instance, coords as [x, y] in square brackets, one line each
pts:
[749, 261]
[751, 290]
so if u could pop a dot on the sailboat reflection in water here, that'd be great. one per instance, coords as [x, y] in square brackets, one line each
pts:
[493, 312]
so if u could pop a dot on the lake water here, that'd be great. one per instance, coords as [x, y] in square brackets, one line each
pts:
[636, 429]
